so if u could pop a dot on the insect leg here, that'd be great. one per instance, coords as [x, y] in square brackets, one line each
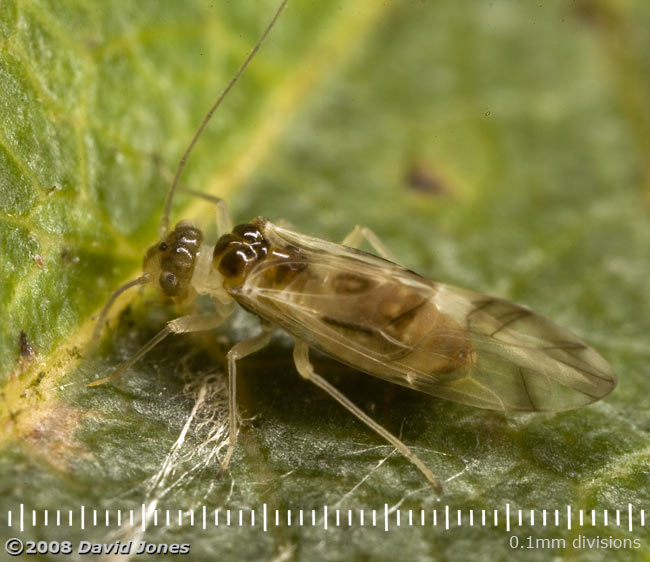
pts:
[224, 222]
[361, 233]
[306, 370]
[99, 325]
[184, 324]
[238, 351]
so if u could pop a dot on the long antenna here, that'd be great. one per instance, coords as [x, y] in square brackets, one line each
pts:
[164, 222]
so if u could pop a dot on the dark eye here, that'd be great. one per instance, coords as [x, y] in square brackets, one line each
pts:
[162, 246]
[169, 283]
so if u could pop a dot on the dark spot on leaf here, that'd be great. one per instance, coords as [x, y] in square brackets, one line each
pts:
[69, 257]
[422, 177]
[594, 12]
[37, 380]
[26, 350]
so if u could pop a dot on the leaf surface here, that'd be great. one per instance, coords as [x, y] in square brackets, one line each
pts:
[499, 146]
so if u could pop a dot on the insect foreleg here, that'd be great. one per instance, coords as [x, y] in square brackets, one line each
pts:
[361, 233]
[306, 370]
[184, 324]
[239, 351]
[99, 325]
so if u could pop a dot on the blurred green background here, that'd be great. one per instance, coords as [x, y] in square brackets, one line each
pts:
[502, 146]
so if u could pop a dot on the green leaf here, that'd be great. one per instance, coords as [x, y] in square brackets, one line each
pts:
[501, 146]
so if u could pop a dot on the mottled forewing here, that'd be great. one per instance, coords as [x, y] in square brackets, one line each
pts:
[523, 360]
[476, 350]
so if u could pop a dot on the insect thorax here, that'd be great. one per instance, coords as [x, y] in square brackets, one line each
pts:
[170, 263]
[238, 253]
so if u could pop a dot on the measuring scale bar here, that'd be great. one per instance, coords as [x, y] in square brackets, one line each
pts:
[445, 517]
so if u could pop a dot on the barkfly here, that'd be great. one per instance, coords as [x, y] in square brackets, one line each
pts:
[367, 312]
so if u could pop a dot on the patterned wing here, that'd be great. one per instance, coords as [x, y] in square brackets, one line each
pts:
[443, 340]
[523, 361]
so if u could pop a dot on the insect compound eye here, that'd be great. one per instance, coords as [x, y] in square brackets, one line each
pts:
[169, 283]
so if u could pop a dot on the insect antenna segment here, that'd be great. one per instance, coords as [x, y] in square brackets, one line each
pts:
[164, 222]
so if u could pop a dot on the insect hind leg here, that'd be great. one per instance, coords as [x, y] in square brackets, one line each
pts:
[306, 370]
[361, 233]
